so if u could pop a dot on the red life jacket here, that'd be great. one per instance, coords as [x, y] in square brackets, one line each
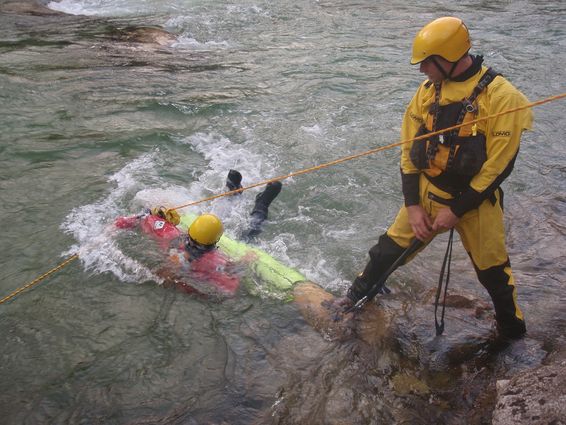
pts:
[212, 268]
[160, 229]
[163, 231]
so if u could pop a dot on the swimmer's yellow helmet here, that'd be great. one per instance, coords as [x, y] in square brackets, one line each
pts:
[206, 229]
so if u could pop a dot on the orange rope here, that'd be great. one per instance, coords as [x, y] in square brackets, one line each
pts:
[371, 151]
[40, 278]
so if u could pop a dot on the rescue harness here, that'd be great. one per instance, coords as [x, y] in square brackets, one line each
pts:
[450, 160]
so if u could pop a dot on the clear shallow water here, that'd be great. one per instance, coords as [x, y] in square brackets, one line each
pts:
[93, 128]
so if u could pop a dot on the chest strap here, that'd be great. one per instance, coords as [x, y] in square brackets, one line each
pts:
[467, 107]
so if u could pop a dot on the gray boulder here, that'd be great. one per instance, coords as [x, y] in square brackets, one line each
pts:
[533, 397]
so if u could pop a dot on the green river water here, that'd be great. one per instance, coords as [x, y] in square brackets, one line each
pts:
[93, 127]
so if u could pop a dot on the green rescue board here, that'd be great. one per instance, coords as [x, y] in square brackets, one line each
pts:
[269, 276]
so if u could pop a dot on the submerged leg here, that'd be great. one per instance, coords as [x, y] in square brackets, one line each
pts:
[261, 207]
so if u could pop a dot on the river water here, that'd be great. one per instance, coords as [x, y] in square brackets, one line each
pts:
[94, 126]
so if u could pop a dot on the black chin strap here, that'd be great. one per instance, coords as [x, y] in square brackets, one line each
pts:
[196, 250]
[435, 62]
[454, 65]
[445, 268]
[448, 75]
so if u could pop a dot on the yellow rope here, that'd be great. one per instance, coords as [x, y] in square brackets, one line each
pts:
[300, 172]
[371, 151]
[40, 278]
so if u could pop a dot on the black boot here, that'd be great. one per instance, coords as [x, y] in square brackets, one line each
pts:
[264, 199]
[510, 323]
[511, 331]
[261, 207]
[381, 258]
[234, 181]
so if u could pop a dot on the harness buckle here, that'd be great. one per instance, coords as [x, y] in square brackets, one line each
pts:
[468, 106]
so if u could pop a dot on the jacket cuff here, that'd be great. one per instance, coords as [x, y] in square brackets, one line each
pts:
[467, 201]
[410, 185]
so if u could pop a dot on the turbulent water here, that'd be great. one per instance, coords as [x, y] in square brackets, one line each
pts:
[95, 125]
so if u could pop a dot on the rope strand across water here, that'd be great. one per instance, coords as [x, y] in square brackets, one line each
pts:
[371, 151]
[39, 278]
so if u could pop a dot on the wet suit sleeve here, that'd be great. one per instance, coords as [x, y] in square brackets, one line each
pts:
[412, 121]
[503, 135]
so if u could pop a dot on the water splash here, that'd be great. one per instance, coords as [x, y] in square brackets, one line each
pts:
[139, 185]
[92, 226]
[112, 7]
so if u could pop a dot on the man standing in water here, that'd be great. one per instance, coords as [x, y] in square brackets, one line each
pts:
[451, 180]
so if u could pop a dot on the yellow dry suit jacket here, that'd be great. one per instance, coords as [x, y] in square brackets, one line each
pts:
[484, 153]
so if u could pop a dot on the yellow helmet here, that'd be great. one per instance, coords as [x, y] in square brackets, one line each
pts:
[206, 229]
[446, 37]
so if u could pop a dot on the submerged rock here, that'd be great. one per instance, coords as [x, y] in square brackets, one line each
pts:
[387, 365]
[407, 383]
[29, 7]
[142, 34]
[151, 35]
